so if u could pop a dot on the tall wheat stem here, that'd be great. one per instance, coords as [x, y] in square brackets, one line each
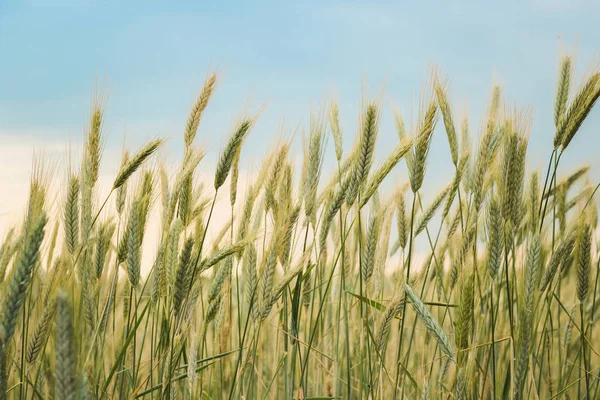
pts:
[410, 246]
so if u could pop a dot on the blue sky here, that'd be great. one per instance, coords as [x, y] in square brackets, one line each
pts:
[152, 57]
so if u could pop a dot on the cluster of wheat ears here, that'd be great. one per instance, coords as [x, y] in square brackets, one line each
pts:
[291, 299]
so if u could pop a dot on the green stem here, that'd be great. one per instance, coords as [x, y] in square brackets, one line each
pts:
[586, 367]
[410, 246]
[493, 346]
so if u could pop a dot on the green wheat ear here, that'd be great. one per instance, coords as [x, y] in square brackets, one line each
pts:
[41, 332]
[314, 160]
[584, 261]
[393, 310]
[579, 109]
[66, 358]
[366, 148]
[562, 95]
[465, 317]
[368, 257]
[442, 99]
[133, 164]
[334, 124]
[191, 127]
[430, 323]
[71, 215]
[417, 158]
[233, 146]
[17, 287]
[384, 169]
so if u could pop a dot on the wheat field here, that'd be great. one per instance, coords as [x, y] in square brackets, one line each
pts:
[313, 286]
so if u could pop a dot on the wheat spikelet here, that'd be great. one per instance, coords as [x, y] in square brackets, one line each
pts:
[460, 389]
[531, 273]
[190, 306]
[584, 261]
[71, 215]
[454, 222]
[288, 230]
[430, 323]
[247, 212]
[17, 287]
[580, 108]
[212, 310]
[455, 186]
[37, 195]
[383, 246]
[172, 252]
[495, 238]
[105, 233]
[134, 228]
[401, 218]
[425, 395]
[562, 95]
[495, 102]
[7, 250]
[399, 124]
[274, 174]
[568, 331]
[184, 209]
[332, 207]
[566, 183]
[290, 275]
[66, 359]
[192, 355]
[122, 190]
[314, 159]
[431, 209]
[386, 167]
[41, 332]
[93, 150]
[221, 254]
[563, 250]
[307, 283]
[366, 148]
[229, 153]
[464, 248]
[442, 100]
[250, 274]
[108, 304]
[145, 197]
[190, 162]
[334, 124]
[526, 315]
[534, 201]
[416, 159]
[285, 195]
[191, 127]
[165, 196]
[522, 360]
[159, 273]
[88, 294]
[368, 255]
[393, 310]
[465, 317]
[183, 278]
[235, 170]
[512, 171]
[266, 288]
[129, 166]
[487, 146]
